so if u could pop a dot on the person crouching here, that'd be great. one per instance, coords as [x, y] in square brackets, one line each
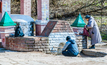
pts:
[70, 48]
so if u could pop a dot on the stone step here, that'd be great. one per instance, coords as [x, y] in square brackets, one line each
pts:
[98, 44]
[101, 44]
[95, 52]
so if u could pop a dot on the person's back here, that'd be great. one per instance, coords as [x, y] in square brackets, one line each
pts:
[70, 48]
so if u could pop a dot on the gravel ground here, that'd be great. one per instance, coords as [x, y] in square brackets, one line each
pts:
[37, 58]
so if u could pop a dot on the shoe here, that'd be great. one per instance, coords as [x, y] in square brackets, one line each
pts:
[92, 47]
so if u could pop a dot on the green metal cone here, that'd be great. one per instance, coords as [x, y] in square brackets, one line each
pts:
[79, 22]
[7, 21]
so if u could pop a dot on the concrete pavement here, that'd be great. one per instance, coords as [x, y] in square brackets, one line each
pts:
[37, 58]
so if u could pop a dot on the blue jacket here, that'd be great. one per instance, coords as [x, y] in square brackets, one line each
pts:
[71, 47]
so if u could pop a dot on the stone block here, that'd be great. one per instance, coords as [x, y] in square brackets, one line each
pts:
[39, 44]
[95, 52]
[36, 42]
[41, 50]
[30, 49]
[44, 39]
[80, 49]
[36, 49]
[30, 44]
[42, 47]
[37, 39]
[23, 50]
[79, 37]
[47, 52]
[29, 41]
[45, 44]
[79, 45]
[46, 49]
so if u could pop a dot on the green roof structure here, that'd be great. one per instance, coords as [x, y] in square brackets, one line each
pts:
[7, 21]
[79, 22]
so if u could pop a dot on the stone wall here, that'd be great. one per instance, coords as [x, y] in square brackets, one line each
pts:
[19, 43]
[40, 44]
[55, 39]
[57, 31]
[81, 42]
[52, 39]
[27, 44]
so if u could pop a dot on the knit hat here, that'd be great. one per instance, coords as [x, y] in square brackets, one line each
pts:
[68, 38]
[87, 16]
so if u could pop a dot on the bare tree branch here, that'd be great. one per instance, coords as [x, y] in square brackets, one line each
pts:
[87, 5]
[97, 9]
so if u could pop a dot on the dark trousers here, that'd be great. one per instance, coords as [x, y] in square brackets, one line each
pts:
[66, 53]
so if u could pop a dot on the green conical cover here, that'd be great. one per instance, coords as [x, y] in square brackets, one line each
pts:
[79, 22]
[7, 21]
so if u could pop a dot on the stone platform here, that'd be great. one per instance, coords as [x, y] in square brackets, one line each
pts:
[27, 44]
[53, 35]
[95, 52]
[40, 44]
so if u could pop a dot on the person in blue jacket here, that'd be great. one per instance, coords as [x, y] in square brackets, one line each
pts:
[70, 48]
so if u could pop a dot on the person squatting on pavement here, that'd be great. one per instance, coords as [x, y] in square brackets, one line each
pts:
[70, 48]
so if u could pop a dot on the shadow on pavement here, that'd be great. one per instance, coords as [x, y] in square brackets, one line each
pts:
[3, 50]
[83, 55]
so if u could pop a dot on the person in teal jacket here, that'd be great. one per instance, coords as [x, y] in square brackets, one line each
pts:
[70, 48]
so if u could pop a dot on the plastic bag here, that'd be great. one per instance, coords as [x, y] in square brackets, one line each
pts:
[85, 32]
